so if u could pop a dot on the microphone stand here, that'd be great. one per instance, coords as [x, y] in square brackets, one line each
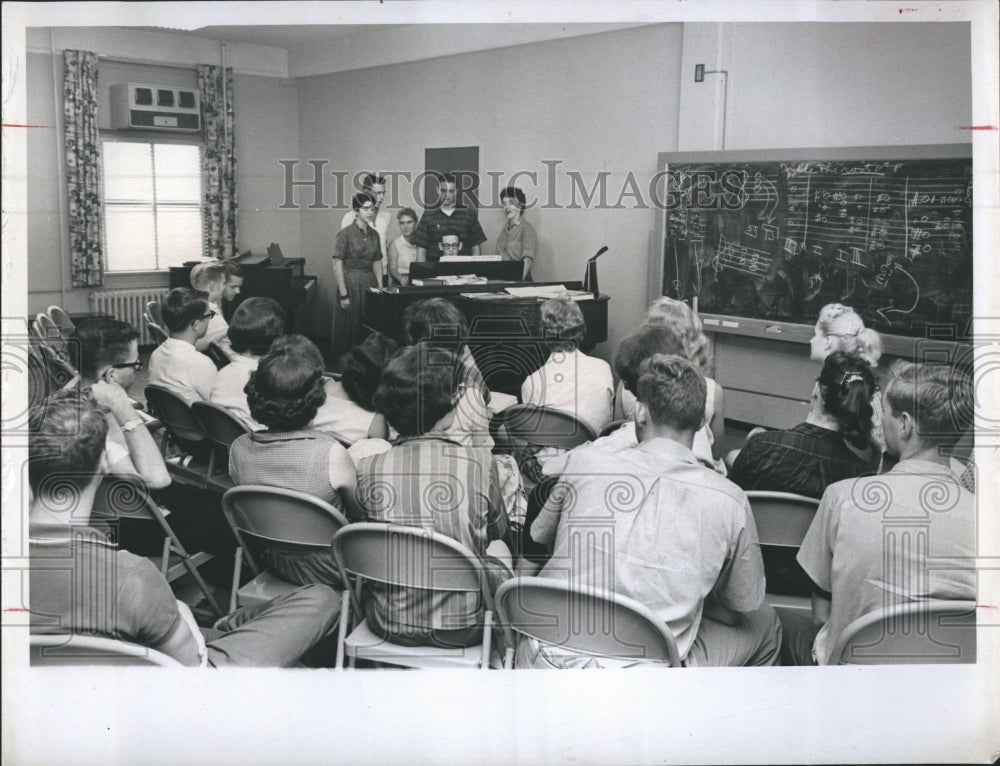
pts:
[590, 277]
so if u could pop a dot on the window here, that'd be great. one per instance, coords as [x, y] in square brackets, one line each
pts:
[152, 204]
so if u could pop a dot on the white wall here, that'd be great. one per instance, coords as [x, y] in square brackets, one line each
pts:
[816, 85]
[606, 102]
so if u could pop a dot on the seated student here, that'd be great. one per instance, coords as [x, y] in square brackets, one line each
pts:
[685, 324]
[570, 380]
[811, 456]
[649, 340]
[104, 591]
[839, 328]
[352, 413]
[284, 394]
[436, 321]
[108, 361]
[257, 322]
[176, 364]
[430, 481]
[221, 280]
[855, 562]
[669, 533]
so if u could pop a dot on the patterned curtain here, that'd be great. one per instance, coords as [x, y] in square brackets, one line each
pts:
[83, 167]
[218, 163]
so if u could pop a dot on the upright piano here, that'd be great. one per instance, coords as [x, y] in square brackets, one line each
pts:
[265, 276]
[505, 334]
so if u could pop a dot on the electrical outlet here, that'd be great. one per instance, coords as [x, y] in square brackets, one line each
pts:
[699, 72]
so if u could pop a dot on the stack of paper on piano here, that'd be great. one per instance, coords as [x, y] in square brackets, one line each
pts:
[549, 291]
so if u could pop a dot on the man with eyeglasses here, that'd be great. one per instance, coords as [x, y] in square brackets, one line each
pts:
[176, 364]
[374, 185]
[108, 357]
[448, 216]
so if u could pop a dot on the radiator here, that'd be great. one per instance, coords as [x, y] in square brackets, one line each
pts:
[128, 306]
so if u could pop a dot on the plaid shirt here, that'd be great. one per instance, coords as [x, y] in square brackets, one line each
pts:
[434, 483]
[464, 221]
[805, 460]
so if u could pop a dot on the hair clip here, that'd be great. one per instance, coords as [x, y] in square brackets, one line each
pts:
[851, 377]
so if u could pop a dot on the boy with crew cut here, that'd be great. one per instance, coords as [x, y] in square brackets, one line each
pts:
[222, 281]
[176, 363]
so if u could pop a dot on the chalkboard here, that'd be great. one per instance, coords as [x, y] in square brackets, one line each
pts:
[779, 238]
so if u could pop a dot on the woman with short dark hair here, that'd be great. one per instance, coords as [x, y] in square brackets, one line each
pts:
[257, 322]
[284, 393]
[357, 265]
[518, 240]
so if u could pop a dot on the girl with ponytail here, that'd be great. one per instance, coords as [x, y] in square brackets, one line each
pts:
[834, 443]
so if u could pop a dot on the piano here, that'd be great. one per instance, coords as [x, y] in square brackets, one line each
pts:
[266, 276]
[505, 334]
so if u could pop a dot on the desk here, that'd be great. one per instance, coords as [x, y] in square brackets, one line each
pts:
[504, 333]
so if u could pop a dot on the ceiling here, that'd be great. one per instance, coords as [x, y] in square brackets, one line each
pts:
[289, 37]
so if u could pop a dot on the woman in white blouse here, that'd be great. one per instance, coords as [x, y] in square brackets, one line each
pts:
[402, 251]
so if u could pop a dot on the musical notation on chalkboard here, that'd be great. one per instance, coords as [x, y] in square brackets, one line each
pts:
[779, 239]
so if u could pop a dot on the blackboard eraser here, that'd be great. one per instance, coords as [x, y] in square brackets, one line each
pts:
[714, 322]
[730, 324]
[773, 329]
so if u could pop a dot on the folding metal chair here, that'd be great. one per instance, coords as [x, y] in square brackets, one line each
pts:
[196, 463]
[222, 428]
[61, 320]
[155, 329]
[120, 495]
[219, 357]
[412, 558]
[55, 650]
[782, 520]
[270, 516]
[584, 620]
[154, 313]
[545, 427]
[919, 632]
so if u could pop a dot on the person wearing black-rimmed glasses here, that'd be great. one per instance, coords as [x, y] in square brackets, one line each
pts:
[176, 363]
[108, 360]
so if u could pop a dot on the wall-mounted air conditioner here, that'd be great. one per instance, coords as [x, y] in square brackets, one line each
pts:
[155, 107]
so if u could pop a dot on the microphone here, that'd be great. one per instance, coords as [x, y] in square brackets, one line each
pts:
[598, 254]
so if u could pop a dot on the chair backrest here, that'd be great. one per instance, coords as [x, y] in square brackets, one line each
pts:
[409, 557]
[274, 515]
[221, 425]
[158, 333]
[46, 328]
[61, 320]
[920, 632]
[47, 370]
[782, 518]
[611, 427]
[585, 620]
[65, 649]
[219, 357]
[175, 414]
[546, 427]
[154, 313]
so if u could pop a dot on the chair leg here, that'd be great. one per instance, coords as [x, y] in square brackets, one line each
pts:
[487, 640]
[199, 580]
[237, 570]
[345, 617]
[165, 558]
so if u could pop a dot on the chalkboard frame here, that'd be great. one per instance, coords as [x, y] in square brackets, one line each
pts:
[777, 329]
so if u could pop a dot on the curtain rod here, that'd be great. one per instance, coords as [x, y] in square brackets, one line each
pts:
[140, 62]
